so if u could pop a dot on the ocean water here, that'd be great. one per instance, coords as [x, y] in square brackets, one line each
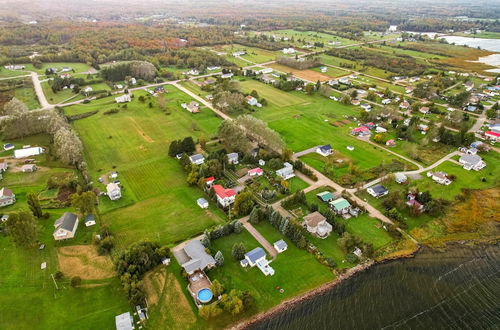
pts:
[455, 289]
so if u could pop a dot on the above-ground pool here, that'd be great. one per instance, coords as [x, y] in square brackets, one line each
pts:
[205, 295]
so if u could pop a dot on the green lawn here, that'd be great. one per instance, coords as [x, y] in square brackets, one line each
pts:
[156, 201]
[273, 95]
[296, 271]
[308, 37]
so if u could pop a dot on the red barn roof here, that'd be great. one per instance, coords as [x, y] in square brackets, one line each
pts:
[222, 192]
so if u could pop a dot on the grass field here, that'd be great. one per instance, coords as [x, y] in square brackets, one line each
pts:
[28, 96]
[308, 37]
[93, 305]
[307, 75]
[157, 203]
[272, 95]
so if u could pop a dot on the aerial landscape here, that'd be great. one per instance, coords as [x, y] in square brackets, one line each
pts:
[258, 164]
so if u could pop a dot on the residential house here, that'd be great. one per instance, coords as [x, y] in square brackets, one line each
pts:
[255, 172]
[369, 125]
[404, 105]
[377, 190]
[239, 53]
[257, 257]
[3, 167]
[209, 181]
[472, 162]
[213, 68]
[439, 177]
[202, 202]
[133, 81]
[380, 129]
[89, 220]
[280, 246]
[265, 70]
[495, 127]
[492, 136]
[357, 252]
[113, 191]
[355, 102]
[340, 206]
[323, 69]
[65, 226]
[390, 143]
[232, 158]
[88, 89]
[286, 172]
[325, 196]
[288, 51]
[7, 197]
[208, 81]
[316, 224]
[425, 110]
[416, 205]
[253, 101]
[225, 197]
[123, 99]
[197, 159]
[119, 86]
[14, 67]
[361, 131]
[197, 258]
[27, 152]
[193, 107]
[401, 178]
[227, 75]
[267, 79]
[423, 128]
[344, 81]
[471, 108]
[325, 150]
[193, 72]
[333, 82]
[386, 101]
[159, 90]
[124, 321]
[366, 107]
[28, 168]
[8, 146]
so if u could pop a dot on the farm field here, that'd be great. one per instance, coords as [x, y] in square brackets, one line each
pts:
[155, 194]
[273, 95]
[332, 72]
[308, 75]
[309, 37]
[253, 55]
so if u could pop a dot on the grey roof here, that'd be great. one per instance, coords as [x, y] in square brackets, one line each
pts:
[201, 201]
[470, 159]
[196, 157]
[255, 254]
[199, 259]
[281, 244]
[124, 321]
[379, 189]
[232, 155]
[89, 217]
[67, 221]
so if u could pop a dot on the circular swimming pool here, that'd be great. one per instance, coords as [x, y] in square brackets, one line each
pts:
[205, 295]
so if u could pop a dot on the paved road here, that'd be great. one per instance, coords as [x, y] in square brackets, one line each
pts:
[255, 233]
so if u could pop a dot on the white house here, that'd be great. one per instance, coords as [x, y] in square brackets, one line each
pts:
[400, 178]
[265, 70]
[325, 150]
[192, 106]
[197, 159]
[225, 197]
[253, 101]
[28, 168]
[124, 321]
[65, 226]
[289, 51]
[286, 172]
[386, 101]
[257, 257]
[123, 99]
[439, 177]
[227, 75]
[193, 72]
[7, 197]
[27, 152]
[202, 202]
[472, 162]
[280, 246]
[113, 191]
[239, 53]
[316, 224]
[377, 190]
[232, 158]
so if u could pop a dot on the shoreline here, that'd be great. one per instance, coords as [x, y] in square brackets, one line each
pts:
[294, 301]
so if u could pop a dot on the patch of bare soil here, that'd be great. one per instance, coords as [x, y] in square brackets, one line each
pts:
[83, 261]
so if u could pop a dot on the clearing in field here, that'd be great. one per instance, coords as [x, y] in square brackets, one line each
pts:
[308, 75]
[83, 261]
[141, 132]
[164, 293]
[272, 94]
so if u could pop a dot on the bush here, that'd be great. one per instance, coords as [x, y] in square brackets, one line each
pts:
[76, 281]
[58, 275]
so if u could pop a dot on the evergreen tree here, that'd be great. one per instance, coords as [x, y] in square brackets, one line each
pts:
[219, 259]
[34, 205]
